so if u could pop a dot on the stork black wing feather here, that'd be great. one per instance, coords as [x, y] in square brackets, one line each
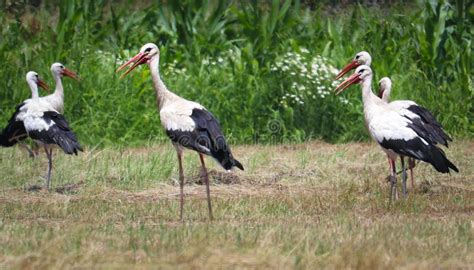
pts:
[14, 131]
[417, 149]
[59, 133]
[207, 135]
[437, 134]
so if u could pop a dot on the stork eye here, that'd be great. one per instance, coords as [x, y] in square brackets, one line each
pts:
[62, 66]
[362, 70]
[357, 56]
[148, 50]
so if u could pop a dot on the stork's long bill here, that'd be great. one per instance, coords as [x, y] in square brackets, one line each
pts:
[353, 79]
[42, 84]
[138, 59]
[353, 64]
[71, 74]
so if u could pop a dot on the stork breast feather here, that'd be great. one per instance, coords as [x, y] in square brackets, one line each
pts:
[177, 116]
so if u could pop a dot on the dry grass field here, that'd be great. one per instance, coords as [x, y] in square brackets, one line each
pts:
[313, 205]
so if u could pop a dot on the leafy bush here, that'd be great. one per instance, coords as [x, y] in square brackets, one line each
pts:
[229, 56]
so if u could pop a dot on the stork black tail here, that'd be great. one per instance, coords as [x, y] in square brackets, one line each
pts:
[68, 142]
[225, 158]
[437, 158]
[421, 150]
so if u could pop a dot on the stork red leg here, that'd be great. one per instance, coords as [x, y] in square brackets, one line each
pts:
[393, 181]
[181, 183]
[49, 154]
[404, 177]
[411, 165]
[205, 176]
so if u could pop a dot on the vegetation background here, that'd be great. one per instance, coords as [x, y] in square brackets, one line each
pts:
[264, 68]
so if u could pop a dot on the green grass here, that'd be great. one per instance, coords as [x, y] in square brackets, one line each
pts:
[312, 205]
[224, 54]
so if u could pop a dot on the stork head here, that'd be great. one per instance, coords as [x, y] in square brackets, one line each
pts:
[60, 70]
[385, 85]
[361, 58]
[361, 74]
[33, 79]
[148, 52]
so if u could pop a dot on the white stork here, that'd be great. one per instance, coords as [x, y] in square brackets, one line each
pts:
[361, 58]
[406, 107]
[187, 123]
[45, 125]
[57, 98]
[398, 132]
[385, 88]
[15, 131]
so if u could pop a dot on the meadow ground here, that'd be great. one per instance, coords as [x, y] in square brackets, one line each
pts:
[312, 205]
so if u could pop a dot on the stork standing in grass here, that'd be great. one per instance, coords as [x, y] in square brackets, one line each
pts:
[385, 88]
[405, 107]
[15, 131]
[398, 132]
[187, 123]
[56, 99]
[45, 125]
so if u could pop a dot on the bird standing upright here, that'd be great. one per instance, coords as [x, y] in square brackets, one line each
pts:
[405, 107]
[397, 132]
[56, 99]
[45, 125]
[385, 89]
[187, 123]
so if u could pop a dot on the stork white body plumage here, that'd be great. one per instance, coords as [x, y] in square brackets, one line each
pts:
[45, 125]
[407, 108]
[15, 131]
[385, 89]
[188, 124]
[397, 133]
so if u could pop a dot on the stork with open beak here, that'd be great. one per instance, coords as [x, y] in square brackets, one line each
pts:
[187, 123]
[398, 132]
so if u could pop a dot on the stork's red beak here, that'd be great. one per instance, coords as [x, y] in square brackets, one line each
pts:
[347, 68]
[71, 74]
[42, 84]
[353, 79]
[138, 59]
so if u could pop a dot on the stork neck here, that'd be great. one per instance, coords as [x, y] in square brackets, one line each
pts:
[34, 90]
[59, 85]
[386, 95]
[367, 94]
[162, 93]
